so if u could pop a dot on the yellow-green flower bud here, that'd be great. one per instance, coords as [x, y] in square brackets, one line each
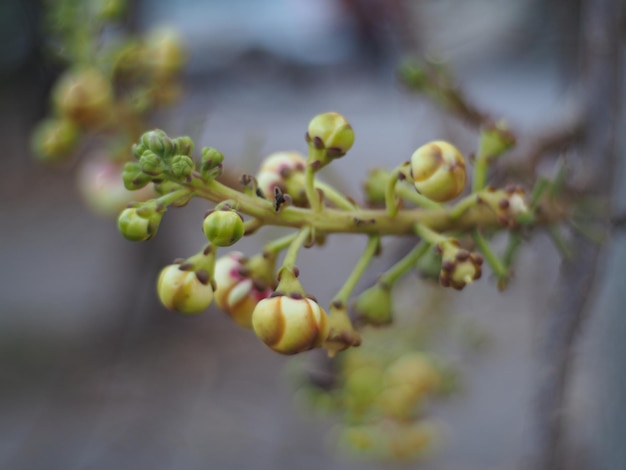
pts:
[134, 177]
[374, 306]
[508, 204]
[139, 223]
[459, 267]
[211, 163]
[185, 291]
[438, 171]
[363, 386]
[290, 325]
[330, 132]
[165, 53]
[416, 370]
[237, 290]
[54, 139]
[84, 96]
[182, 166]
[283, 170]
[151, 164]
[495, 140]
[223, 227]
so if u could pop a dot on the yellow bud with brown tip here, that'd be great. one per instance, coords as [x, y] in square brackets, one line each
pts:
[332, 133]
[438, 171]
[290, 325]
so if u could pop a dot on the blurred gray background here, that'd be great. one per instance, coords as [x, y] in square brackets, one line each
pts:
[94, 374]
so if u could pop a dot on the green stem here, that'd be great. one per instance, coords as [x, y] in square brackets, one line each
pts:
[493, 261]
[561, 244]
[480, 173]
[309, 187]
[172, 197]
[410, 194]
[538, 191]
[515, 241]
[359, 269]
[463, 206]
[391, 202]
[335, 196]
[428, 235]
[394, 273]
[278, 245]
[294, 247]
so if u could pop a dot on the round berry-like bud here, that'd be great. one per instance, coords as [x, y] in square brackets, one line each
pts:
[375, 306]
[183, 145]
[139, 223]
[186, 292]
[84, 96]
[438, 171]
[332, 132]
[415, 370]
[290, 325]
[223, 227]
[376, 185]
[237, 293]
[105, 192]
[158, 142]
[151, 164]
[54, 139]
[283, 170]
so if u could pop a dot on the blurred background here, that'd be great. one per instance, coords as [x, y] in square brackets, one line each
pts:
[95, 374]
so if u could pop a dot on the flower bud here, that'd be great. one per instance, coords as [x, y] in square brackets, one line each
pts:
[495, 140]
[438, 171]
[459, 267]
[508, 204]
[223, 227]
[182, 166]
[284, 170]
[330, 132]
[416, 370]
[158, 142]
[134, 177]
[151, 164]
[103, 185]
[54, 139]
[185, 291]
[211, 163]
[139, 223]
[374, 306]
[290, 325]
[375, 186]
[237, 291]
[84, 96]
[183, 145]
[165, 53]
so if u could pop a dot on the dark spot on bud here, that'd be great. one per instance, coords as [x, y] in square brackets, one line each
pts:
[447, 266]
[296, 271]
[312, 297]
[337, 304]
[316, 165]
[504, 204]
[207, 249]
[285, 172]
[259, 193]
[296, 295]
[478, 259]
[178, 261]
[437, 249]
[207, 213]
[244, 272]
[277, 294]
[186, 267]
[202, 276]
[401, 176]
[462, 255]
[318, 143]
[335, 152]
[307, 137]
[444, 281]
[510, 189]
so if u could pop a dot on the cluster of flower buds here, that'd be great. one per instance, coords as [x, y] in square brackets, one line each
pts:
[459, 266]
[438, 171]
[508, 203]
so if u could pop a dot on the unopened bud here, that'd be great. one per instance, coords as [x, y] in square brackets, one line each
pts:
[330, 132]
[438, 171]
[151, 164]
[508, 204]
[165, 53]
[182, 166]
[158, 142]
[495, 140]
[374, 305]
[183, 145]
[188, 292]
[223, 227]
[283, 170]
[139, 223]
[54, 139]
[84, 96]
[459, 267]
[134, 177]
